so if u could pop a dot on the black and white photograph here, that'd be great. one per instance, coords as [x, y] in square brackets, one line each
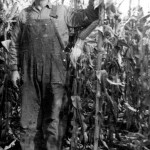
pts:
[74, 74]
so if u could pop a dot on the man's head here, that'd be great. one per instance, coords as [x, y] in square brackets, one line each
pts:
[41, 3]
[42, 0]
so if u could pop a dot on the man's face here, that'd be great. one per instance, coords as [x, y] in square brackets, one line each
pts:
[42, 0]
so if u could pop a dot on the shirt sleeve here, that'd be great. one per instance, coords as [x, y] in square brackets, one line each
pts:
[82, 17]
[15, 44]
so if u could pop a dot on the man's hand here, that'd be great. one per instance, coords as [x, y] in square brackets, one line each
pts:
[14, 77]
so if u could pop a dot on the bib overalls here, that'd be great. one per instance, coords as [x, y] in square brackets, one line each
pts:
[44, 75]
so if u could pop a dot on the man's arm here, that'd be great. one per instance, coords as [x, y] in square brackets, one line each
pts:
[14, 48]
[82, 17]
[15, 43]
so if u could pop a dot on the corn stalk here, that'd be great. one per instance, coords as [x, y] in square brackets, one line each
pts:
[130, 2]
[138, 2]
[62, 1]
[98, 91]
[75, 4]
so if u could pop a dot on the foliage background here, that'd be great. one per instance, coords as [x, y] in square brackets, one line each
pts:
[114, 74]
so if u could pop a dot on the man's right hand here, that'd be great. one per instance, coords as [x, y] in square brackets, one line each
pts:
[14, 77]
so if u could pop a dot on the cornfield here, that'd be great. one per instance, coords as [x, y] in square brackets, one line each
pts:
[109, 86]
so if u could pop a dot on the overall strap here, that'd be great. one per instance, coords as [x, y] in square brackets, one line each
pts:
[54, 15]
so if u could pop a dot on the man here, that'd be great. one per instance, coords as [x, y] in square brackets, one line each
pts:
[38, 41]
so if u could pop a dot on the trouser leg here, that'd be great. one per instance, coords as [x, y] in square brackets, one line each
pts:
[31, 137]
[52, 131]
[62, 129]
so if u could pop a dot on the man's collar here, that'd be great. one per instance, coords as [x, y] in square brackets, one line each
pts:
[49, 5]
